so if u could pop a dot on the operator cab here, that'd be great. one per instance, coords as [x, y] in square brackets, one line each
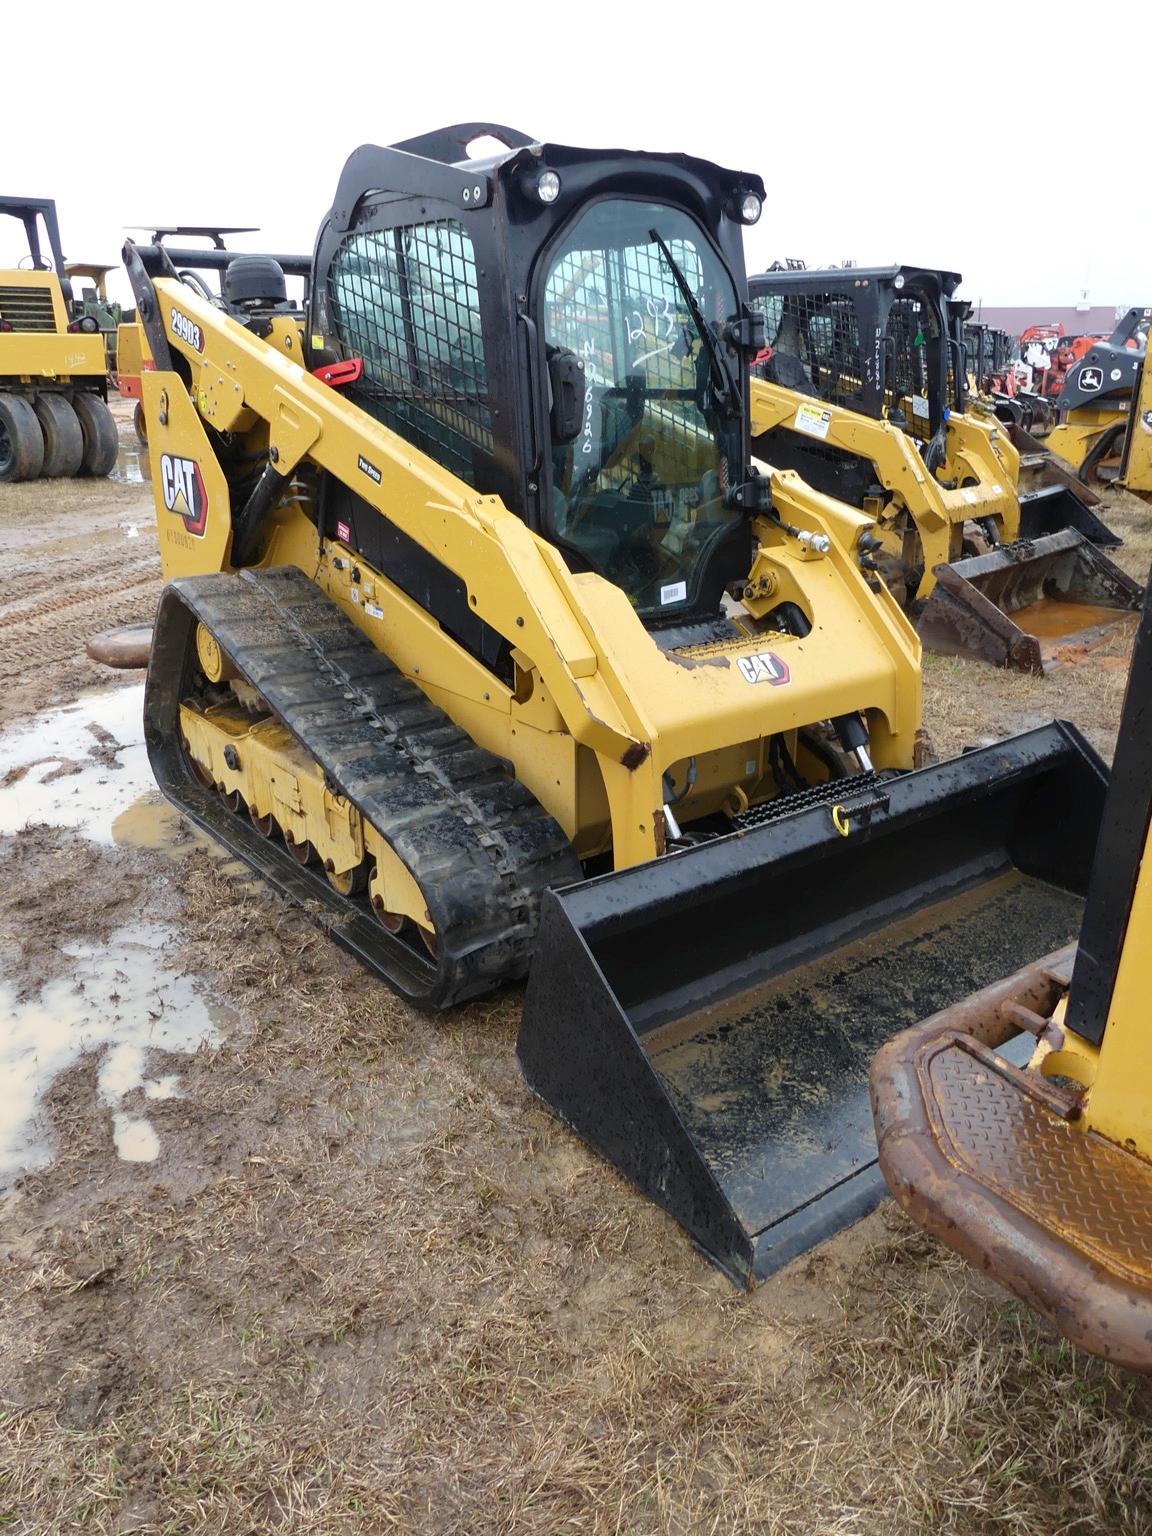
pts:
[875, 340]
[563, 328]
[43, 253]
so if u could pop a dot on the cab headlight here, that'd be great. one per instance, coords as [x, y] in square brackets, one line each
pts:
[751, 207]
[548, 187]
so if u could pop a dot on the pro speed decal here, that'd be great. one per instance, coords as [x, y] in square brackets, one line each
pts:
[765, 667]
[182, 487]
[187, 330]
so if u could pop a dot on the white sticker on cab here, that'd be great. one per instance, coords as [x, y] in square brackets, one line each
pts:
[674, 592]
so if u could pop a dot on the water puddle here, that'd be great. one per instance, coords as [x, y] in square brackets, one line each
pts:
[85, 767]
[153, 822]
[119, 1000]
[97, 539]
[80, 766]
[132, 466]
[1054, 619]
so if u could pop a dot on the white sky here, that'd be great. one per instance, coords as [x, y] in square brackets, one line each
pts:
[883, 133]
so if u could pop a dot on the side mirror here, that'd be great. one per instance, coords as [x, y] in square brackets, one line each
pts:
[747, 331]
[566, 388]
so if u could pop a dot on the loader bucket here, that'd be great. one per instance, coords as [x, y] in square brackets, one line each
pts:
[1058, 505]
[1019, 605]
[707, 1021]
[1052, 498]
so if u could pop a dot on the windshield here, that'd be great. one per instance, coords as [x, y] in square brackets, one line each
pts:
[640, 493]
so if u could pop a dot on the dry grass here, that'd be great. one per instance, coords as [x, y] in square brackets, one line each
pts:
[374, 1287]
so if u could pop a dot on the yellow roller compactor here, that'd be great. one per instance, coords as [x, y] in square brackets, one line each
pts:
[54, 420]
[861, 390]
[483, 637]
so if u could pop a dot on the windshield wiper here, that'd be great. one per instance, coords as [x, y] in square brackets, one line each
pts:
[722, 383]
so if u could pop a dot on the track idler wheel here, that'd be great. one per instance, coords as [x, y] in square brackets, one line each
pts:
[395, 922]
[265, 825]
[348, 882]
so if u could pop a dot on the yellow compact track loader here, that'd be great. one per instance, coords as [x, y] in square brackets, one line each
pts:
[1037, 1164]
[483, 638]
[1096, 402]
[54, 419]
[862, 392]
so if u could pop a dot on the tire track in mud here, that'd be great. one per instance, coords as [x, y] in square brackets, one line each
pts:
[51, 612]
[39, 588]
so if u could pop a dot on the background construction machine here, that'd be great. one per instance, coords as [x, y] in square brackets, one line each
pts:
[1026, 417]
[1047, 354]
[1096, 401]
[54, 419]
[1039, 1168]
[864, 396]
[132, 355]
[991, 362]
[476, 607]
[93, 300]
[132, 359]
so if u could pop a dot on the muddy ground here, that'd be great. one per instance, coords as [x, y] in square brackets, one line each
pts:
[368, 1284]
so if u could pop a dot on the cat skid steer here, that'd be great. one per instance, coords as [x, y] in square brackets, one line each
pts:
[863, 394]
[484, 639]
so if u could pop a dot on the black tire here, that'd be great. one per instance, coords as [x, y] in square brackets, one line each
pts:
[21, 440]
[140, 422]
[101, 440]
[63, 439]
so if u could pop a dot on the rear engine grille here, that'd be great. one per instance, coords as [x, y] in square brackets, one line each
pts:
[27, 309]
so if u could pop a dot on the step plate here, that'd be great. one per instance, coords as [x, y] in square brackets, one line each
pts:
[992, 1160]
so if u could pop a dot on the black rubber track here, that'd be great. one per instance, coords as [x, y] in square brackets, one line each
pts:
[480, 846]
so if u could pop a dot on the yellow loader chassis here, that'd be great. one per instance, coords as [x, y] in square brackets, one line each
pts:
[598, 715]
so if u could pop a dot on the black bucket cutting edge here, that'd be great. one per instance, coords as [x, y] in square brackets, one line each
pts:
[706, 1021]
[1060, 505]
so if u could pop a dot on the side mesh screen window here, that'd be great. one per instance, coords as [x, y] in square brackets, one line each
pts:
[406, 301]
[814, 342]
